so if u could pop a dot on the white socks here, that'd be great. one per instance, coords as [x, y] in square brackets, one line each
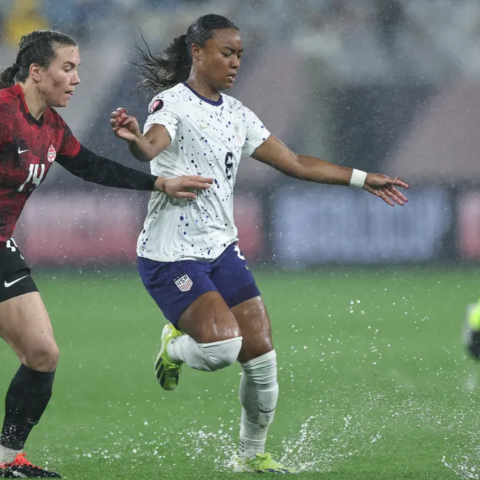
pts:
[204, 356]
[258, 396]
[7, 455]
[258, 386]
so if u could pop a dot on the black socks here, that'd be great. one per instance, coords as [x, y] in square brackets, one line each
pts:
[27, 398]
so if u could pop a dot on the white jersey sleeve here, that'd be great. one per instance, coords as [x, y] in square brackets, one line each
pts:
[165, 109]
[256, 133]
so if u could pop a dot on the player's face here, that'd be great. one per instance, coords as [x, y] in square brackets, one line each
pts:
[219, 60]
[60, 79]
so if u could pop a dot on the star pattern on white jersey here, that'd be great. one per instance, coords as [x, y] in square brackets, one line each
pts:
[208, 138]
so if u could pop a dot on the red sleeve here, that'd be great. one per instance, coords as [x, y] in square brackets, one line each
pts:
[6, 123]
[70, 145]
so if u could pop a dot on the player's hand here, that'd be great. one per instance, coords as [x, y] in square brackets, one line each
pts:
[124, 126]
[385, 188]
[182, 187]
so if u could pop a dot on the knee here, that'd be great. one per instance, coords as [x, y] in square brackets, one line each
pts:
[262, 371]
[43, 358]
[221, 354]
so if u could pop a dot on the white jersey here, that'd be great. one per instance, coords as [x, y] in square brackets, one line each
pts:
[208, 138]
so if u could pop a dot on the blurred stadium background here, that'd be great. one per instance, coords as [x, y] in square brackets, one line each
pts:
[375, 382]
[382, 85]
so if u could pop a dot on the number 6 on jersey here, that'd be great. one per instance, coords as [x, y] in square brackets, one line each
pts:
[229, 165]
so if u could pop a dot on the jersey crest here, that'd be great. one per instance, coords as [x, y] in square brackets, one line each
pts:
[52, 154]
[184, 283]
[157, 105]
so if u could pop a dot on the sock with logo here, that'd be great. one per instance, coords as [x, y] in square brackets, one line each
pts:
[258, 396]
[26, 400]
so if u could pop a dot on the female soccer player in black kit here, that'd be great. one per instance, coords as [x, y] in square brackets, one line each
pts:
[32, 137]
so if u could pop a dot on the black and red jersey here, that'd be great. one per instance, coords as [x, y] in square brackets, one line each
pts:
[28, 148]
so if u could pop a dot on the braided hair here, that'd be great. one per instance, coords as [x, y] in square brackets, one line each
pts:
[161, 72]
[37, 47]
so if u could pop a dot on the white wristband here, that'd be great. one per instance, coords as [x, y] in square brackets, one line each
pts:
[358, 178]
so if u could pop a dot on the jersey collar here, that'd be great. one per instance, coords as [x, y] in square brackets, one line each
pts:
[201, 97]
[17, 89]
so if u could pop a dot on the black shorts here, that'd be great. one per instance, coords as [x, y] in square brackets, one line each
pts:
[15, 276]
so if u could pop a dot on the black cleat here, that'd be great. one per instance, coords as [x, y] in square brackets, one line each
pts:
[22, 468]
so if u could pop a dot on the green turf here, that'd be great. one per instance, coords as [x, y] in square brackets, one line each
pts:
[374, 381]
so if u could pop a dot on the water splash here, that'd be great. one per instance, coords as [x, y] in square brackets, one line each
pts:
[321, 442]
[463, 468]
[303, 453]
[221, 443]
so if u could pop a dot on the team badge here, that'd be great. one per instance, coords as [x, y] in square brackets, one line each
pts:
[52, 154]
[157, 105]
[184, 283]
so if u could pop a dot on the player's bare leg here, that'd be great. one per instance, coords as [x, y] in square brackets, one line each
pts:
[208, 320]
[210, 340]
[258, 387]
[252, 318]
[26, 327]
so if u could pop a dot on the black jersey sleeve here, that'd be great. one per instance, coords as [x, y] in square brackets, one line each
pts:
[96, 169]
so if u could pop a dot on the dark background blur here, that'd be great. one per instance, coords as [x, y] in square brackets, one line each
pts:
[390, 86]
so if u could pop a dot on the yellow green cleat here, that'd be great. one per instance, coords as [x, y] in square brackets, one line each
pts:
[260, 463]
[471, 336]
[166, 370]
[473, 316]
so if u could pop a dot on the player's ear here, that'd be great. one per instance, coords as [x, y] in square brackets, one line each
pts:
[36, 72]
[196, 53]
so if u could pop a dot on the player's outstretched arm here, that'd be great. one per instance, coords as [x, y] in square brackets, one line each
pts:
[143, 147]
[102, 171]
[276, 154]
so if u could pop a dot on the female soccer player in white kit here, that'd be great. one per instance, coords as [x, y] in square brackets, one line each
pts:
[188, 255]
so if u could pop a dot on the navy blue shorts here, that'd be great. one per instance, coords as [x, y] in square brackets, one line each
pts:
[176, 285]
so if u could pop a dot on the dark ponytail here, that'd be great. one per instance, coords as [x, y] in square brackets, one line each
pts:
[37, 47]
[7, 78]
[161, 72]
